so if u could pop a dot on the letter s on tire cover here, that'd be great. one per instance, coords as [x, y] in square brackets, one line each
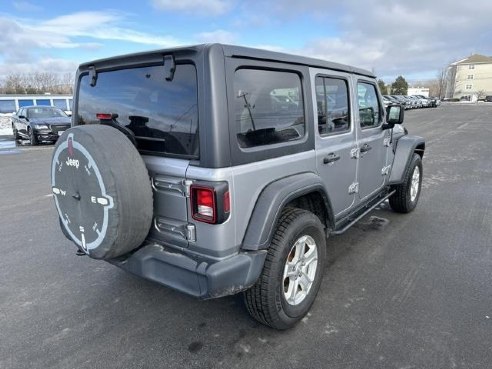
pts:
[102, 190]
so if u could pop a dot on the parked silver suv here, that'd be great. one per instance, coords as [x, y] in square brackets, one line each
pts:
[218, 169]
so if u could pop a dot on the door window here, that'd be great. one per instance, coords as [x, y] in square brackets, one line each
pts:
[369, 108]
[333, 105]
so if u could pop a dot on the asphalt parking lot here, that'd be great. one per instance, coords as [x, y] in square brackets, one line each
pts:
[414, 291]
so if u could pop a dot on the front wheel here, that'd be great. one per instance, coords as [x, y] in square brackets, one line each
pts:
[32, 138]
[407, 194]
[292, 273]
[15, 133]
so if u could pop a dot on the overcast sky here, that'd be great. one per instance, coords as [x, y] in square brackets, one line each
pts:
[413, 38]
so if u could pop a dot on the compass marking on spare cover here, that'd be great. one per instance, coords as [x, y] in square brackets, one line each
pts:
[71, 155]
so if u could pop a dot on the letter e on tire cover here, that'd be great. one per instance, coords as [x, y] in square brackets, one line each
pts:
[102, 190]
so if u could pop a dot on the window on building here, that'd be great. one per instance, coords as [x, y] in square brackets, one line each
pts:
[7, 106]
[43, 102]
[469, 87]
[471, 66]
[60, 103]
[470, 76]
[23, 103]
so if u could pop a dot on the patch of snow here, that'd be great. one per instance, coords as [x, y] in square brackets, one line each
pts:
[5, 126]
[6, 131]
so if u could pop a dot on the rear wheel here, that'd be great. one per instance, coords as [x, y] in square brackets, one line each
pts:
[407, 194]
[292, 273]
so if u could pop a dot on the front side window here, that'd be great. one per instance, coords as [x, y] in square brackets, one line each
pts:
[369, 108]
[269, 107]
[333, 105]
[162, 115]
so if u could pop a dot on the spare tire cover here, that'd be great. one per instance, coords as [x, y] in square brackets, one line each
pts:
[102, 191]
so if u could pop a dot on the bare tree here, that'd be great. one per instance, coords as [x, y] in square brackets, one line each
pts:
[481, 94]
[67, 82]
[37, 83]
[14, 83]
[441, 81]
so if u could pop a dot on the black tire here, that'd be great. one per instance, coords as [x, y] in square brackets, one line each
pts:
[401, 201]
[102, 191]
[265, 300]
[15, 133]
[32, 138]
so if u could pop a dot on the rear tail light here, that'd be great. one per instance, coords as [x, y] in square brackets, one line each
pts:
[103, 116]
[210, 202]
[106, 116]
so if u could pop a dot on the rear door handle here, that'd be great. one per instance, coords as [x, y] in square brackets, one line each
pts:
[331, 158]
[365, 148]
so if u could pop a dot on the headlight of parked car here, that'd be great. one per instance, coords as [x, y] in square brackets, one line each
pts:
[40, 126]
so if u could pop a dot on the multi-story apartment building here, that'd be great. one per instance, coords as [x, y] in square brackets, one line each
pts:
[470, 77]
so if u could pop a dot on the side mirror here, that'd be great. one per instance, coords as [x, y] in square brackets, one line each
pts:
[394, 115]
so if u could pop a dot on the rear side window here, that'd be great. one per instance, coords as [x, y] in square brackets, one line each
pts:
[333, 105]
[162, 115]
[269, 107]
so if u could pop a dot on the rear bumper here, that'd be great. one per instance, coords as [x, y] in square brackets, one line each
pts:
[197, 276]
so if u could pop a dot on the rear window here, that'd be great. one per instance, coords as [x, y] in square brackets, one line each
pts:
[162, 115]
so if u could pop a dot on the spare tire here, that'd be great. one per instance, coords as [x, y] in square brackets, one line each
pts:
[102, 191]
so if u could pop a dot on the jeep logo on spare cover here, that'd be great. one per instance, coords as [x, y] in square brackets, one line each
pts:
[217, 169]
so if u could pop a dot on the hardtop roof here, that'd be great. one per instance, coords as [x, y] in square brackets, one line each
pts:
[234, 52]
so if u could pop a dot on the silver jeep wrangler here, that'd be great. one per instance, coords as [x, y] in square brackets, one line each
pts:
[218, 169]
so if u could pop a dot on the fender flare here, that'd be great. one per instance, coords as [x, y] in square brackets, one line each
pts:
[405, 147]
[273, 199]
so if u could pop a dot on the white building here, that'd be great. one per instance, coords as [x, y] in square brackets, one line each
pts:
[470, 77]
[418, 91]
[11, 103]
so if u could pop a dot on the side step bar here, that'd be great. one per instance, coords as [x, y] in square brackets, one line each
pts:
[349, 222]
